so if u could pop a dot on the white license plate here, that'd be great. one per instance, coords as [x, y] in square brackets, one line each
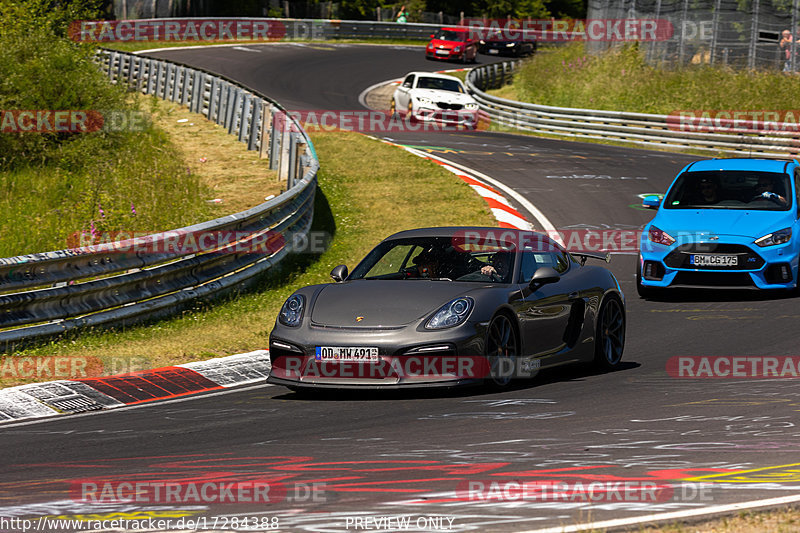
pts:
[346, 353]
[442, 52]
[494, 51]
[714, 260]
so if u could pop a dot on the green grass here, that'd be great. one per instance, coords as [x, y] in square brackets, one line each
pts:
[367, 191]
[139, 183]
[620, 80]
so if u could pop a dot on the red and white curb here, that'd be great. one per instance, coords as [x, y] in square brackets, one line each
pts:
[37, 400]
[506, 216]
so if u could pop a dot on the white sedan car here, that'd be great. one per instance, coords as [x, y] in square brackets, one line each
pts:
[427, 96]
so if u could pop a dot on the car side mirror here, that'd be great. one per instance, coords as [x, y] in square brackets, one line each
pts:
[339, 273]
[431, 36]
[543, 276]
[651, 202]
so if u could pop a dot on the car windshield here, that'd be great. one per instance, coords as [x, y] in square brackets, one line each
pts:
[731, 189]
[437, 258]
[450, 35]
[442, 84]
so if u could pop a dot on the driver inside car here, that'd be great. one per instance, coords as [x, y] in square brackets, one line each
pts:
[499, 265]
[765, 188]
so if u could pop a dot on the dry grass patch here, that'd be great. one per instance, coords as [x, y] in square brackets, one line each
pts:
[234, 174]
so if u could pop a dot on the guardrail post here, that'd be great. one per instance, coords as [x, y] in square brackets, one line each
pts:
[212, 100]
[284, 158]
[300, 148]
[292, 161]
[255, 121]
[276, 138]
[245, 118]
[266, 131]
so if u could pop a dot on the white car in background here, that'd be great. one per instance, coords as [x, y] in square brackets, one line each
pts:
[427, 96]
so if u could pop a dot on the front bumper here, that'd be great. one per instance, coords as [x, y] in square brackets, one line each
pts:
[772, 267]
[432, 54]
[461, 117]
[406, 357]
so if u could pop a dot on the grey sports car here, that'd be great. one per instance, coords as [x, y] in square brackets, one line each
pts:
[450, 306]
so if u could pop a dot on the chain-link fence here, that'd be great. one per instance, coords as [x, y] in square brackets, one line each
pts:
[739, 33]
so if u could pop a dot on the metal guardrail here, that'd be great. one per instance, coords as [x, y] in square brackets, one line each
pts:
[662, 131]
[50, 293]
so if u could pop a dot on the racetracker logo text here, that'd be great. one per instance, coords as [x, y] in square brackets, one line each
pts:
[752, 121]
[734, 367]
[177, 30]
[564, 30]
[431, 119]
[194, 492]
[52, 367]
[67, 121]
[595, 491]
[423, 368]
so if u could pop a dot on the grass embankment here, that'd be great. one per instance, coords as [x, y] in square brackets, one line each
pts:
[367, 190]
[162, 178]
[621, 80]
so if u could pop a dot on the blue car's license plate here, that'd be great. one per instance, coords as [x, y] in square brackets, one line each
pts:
[713, 260]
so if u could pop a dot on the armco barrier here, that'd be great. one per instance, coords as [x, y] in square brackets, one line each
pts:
[51, 293]
[634, 128]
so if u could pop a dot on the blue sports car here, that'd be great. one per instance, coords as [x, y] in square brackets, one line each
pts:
[724, 223]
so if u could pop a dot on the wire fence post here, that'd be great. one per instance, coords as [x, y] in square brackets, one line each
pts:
[682, 45]
[795, 36]
[751, 53]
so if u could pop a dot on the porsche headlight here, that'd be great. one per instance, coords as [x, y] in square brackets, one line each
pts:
[471, 106]
[451, 314]
[292, 311]
[777, 237]
[424, 101]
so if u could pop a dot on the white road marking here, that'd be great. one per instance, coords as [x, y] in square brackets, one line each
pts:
[676, 515]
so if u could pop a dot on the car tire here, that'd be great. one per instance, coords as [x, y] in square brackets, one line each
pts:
[410, 113]
[502, 351]
[609, 341]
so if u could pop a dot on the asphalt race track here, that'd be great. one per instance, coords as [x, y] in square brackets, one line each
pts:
[456, 460]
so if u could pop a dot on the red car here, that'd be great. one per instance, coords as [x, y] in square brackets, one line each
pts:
[452, 43]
